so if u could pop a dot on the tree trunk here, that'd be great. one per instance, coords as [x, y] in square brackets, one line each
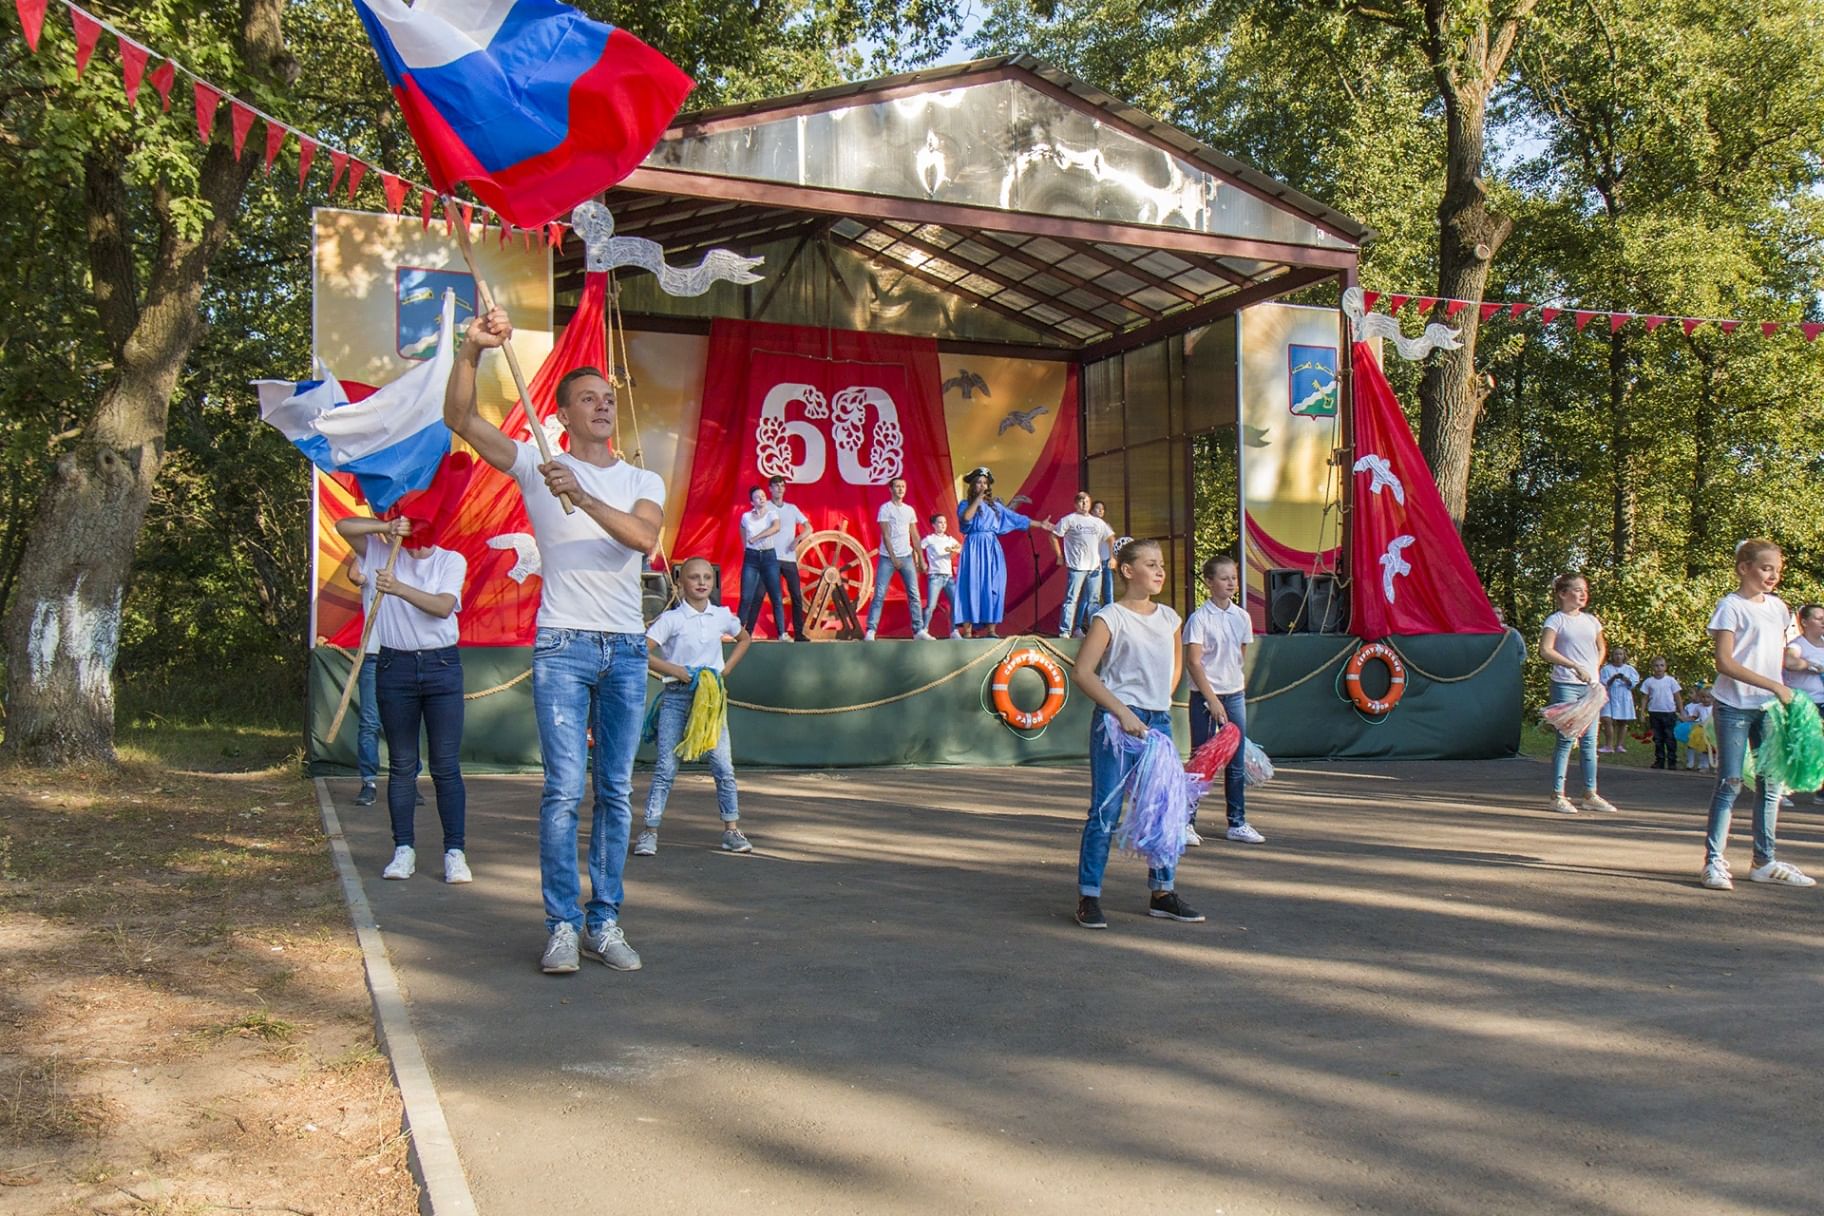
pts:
[1620, 457]
[62, 629]
[1703, 433]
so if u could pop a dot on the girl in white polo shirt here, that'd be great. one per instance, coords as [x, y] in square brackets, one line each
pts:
[1128, 665]
[1572, 642]
[1215, 639]
[685, 638]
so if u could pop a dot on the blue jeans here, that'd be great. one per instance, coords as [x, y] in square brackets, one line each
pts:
[908, 577]
[1737, 730]
[367, 737]
[759, 580]
[1235, 775]
[944, 585]
[585, 681]
[1561, 751]
[674, 712]
[422, 687]
[1108, 768]
[1108, 588]
[1084, 585]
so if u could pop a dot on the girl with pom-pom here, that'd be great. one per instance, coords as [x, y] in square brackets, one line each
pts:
[1750, 626]
[1128, 665]
[1572, 641]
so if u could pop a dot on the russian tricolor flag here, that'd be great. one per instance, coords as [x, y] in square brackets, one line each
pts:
[531, 103]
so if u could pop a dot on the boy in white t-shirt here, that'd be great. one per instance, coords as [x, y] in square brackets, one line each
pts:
[680, 642]
[1216, 640]
[1083, 537]
[940, 550]
[1661, 693]
[899, 554]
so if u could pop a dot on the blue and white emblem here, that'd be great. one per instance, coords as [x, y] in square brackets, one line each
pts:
[420, 305]
[1312, 384]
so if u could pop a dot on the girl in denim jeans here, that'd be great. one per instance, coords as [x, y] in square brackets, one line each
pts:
[1572, 641]
[1128, 665]
[1750, 626]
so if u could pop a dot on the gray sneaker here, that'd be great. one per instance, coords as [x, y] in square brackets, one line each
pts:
[648, 843]
[609, 944]
[560, 951]
[734, 842]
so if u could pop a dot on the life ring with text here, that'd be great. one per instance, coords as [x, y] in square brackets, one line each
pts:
[1396, 678]
[1028, 719]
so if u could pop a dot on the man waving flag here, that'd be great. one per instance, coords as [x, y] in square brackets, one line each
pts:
[534, 105]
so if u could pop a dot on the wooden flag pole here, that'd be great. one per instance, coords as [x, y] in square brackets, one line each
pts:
[367, 630]
[486, 300]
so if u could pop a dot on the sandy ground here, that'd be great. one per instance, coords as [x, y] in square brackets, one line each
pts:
[1423, 994]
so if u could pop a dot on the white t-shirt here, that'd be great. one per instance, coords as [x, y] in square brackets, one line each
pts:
[896, 520]
[1576, 641]
[1142, 651]
[1084, 536]
[785, 540]
[1662, 694]
[402, 626]
[756, 521]
[1760, 641]
[938, 547]
[693, 639]
[1807, 682]
[1697, 713]
[591, 580]
[1223, 633]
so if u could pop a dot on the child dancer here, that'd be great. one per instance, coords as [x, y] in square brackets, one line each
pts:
[1697, 743]
[685, 637]
[1215, 640]
[418, 681]
[1661, 692]
[1572, 642]
[1749, 626]
[940, 549]
[1619, 680]
[1128, 665]
[1805, 664]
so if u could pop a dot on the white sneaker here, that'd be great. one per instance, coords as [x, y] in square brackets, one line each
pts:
[1563, 805]
[1783, 872]
[403, 864]
[648, 843]
[1191, 838]
[1596, 802]
[1246, 835]
[924, 635]
[868, 636]
[1716, 876]
[1785, 802]
[456, 867]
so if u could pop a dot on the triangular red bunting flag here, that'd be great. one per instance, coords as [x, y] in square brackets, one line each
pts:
[1427, 303]
[505, 228]
[88, 33]
[395, 192]
[426, 201]
[206, 100]
[355, 171]
[1728, 327]
[1395, 303]
[338, 165]
[1548, 315]
[468, 217]
[1769, 328]
[1690, 324]
[1368, 299]
[307, 151]
[1517, 310]
[1653, 323]
[241, 119]
[1812, 329]
[1583, 319]
[552, 237]
[1489, 310]
[1619, 319]
[275, 139]
[162, 78]
[31, 20]
[133, 59]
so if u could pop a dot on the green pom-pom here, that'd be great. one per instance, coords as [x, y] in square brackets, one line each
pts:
[1748, 774]
[1804, 745]
[1772, 752]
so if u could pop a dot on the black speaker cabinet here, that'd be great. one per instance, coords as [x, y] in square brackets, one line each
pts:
[1305, 603]
[1329, 605]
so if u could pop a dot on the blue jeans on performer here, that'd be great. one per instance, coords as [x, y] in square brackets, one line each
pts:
[760, 580]
[584, 680]
[788, 579]
[674, 713]
[944, 585]
[1561, 751]
[908, 577]
[1108, 769]
[1235, 775]
[1736, 731]
[1085, 585]
[422, 687]
[367, 737]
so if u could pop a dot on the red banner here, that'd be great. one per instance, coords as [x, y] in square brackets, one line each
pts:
[838, 414]
[1411, 573]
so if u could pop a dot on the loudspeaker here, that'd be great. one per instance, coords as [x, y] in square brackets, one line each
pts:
[1329, 606]
[1286, 601]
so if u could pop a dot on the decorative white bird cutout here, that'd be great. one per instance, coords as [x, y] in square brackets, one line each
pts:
[1022, 419]
[525, 549]
[606, 251]
[1376, 466]
[554, 432]
[1393, 564]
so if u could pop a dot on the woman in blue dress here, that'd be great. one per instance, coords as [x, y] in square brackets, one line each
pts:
[982, 574]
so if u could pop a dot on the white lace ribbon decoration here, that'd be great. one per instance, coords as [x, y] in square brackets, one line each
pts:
[1370, 325]
[606, 251]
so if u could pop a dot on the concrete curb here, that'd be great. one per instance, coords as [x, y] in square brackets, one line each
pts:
[444, 1188]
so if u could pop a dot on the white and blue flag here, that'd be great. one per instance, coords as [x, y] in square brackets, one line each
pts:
[391, 440]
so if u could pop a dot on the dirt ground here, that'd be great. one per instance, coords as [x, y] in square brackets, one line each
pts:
[184, 1026]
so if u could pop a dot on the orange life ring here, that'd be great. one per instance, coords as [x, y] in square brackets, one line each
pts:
[1028, 719]
[1396, 678]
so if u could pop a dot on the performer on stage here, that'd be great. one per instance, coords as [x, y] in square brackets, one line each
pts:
[1084, 553]
[982, 583]
[899, 554]
[792, 525]
[760, 561]
[589, 661]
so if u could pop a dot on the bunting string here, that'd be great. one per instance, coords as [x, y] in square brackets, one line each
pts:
[1611, 321]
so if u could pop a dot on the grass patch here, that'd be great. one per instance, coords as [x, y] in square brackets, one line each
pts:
[39, 1103]
[258, 1024]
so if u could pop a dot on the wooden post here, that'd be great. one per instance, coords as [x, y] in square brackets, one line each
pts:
[367, 630]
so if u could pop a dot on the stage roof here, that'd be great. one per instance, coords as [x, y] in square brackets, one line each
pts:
[998, 203]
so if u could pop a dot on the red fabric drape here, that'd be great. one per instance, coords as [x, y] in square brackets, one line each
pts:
[1410, 573]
